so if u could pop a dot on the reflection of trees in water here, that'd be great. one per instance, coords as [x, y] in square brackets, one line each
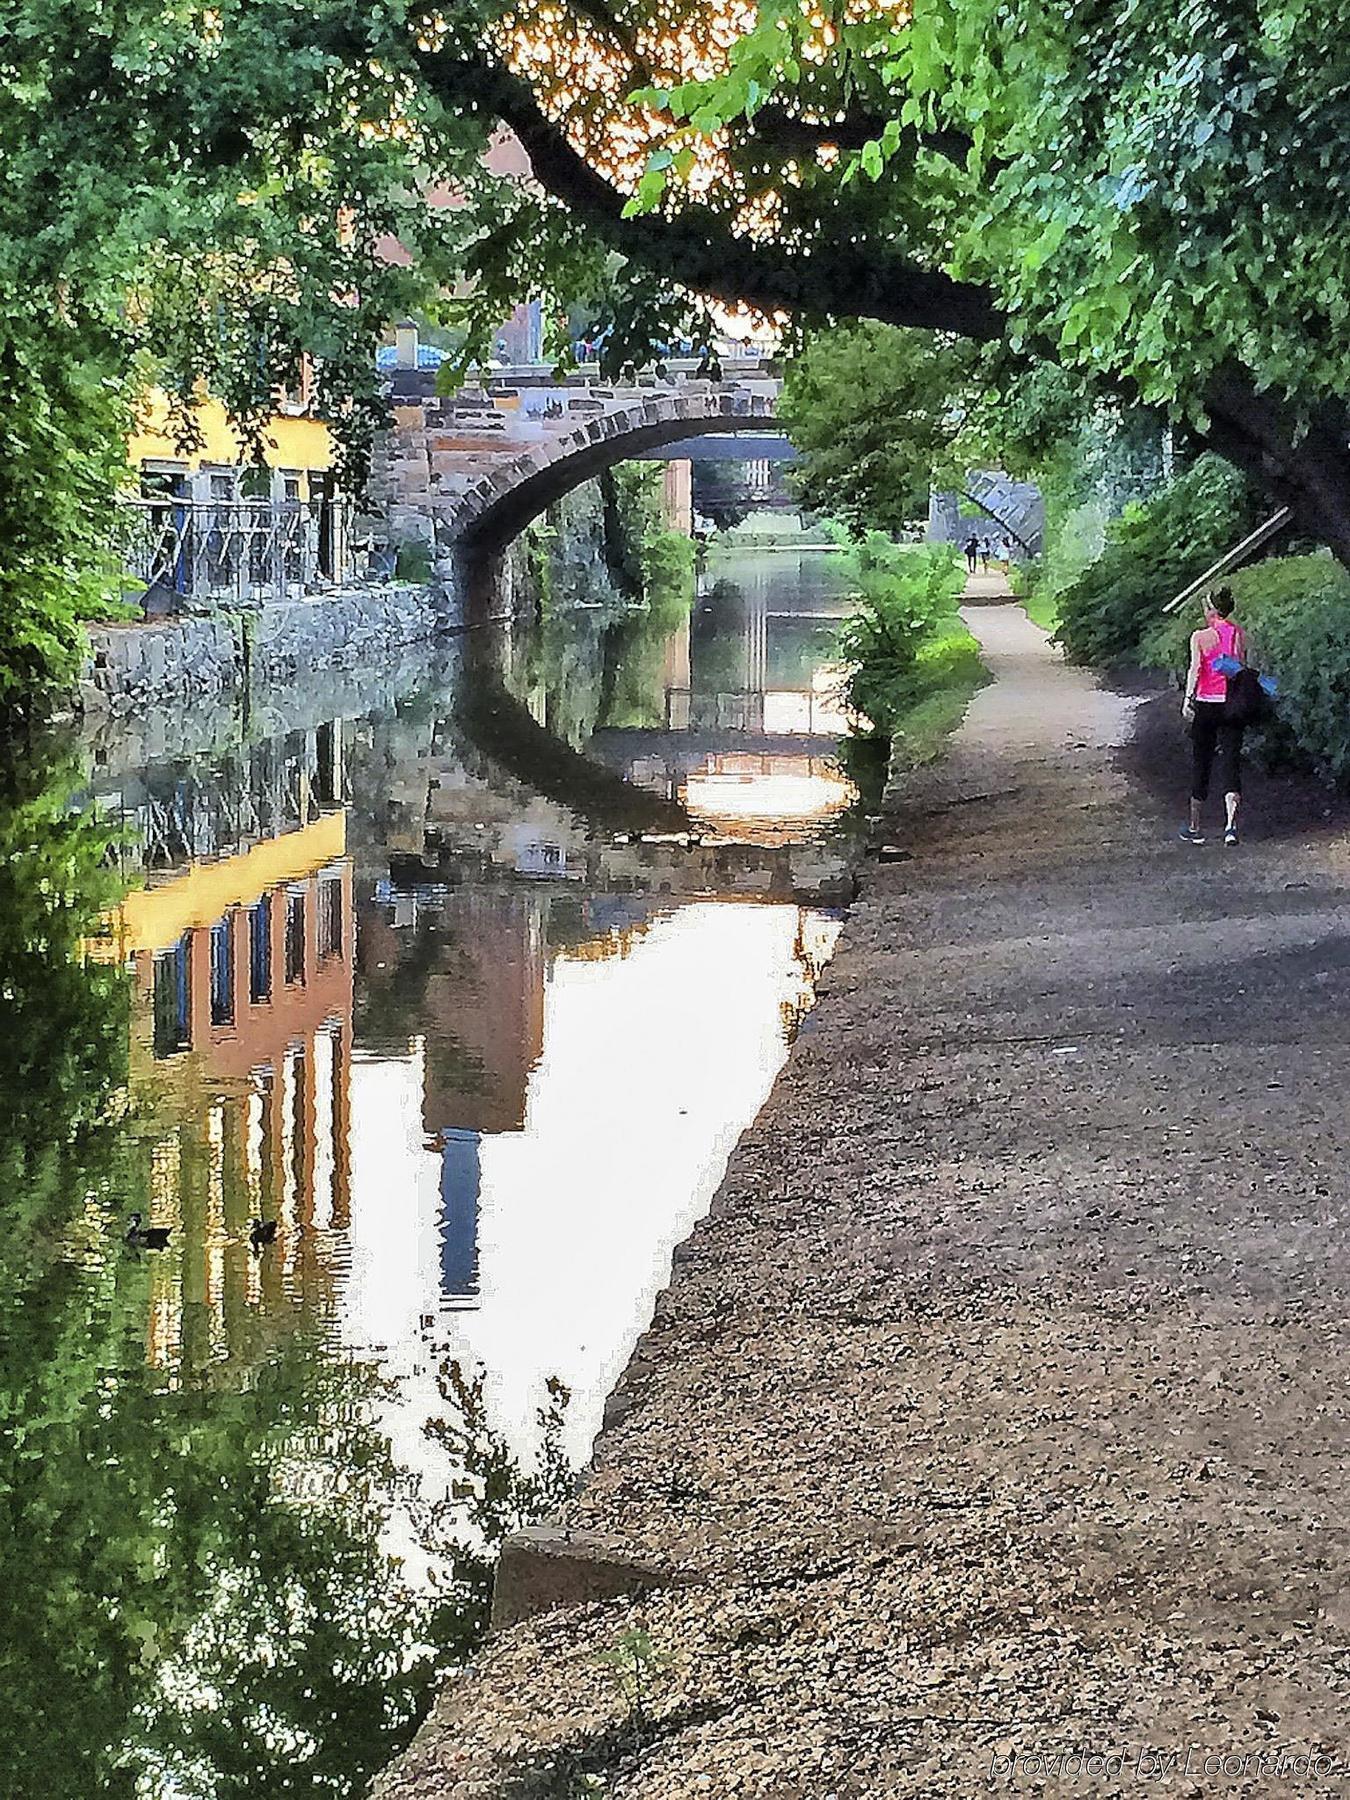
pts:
[208, 1602]
[636, 651]
[208, 1628]
[578, 591]
[494, 1494]
[503, 728]
[865, 760]
[387, 999]
[195, 1590]
[575, 931]
[798, 648]
[611, 585]
[717, 651]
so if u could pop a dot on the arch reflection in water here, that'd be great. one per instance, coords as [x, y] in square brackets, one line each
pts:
[746, 727]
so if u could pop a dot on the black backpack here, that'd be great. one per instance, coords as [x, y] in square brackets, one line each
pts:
[1248, 701]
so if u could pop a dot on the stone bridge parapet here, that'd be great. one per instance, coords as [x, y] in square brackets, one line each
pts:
[474, 468]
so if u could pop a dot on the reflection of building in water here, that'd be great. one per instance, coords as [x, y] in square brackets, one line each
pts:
[462, 974]
[172, 814]
[463, 971]
[242, 977]
[459, 977]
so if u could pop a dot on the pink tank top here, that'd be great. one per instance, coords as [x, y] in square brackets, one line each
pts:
[1209, 684]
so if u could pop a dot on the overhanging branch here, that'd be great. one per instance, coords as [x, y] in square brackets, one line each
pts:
[696, 247]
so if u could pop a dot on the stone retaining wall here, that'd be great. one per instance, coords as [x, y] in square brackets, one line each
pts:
[184, 662]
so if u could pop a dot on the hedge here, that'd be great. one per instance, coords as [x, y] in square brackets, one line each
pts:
[1152, 551]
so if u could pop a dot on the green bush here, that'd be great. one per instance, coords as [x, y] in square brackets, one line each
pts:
[947, 672]
[62, 431]
[901, 641]
[413, 561]
[1070, 549]
[1296, 610]
[1153, 550]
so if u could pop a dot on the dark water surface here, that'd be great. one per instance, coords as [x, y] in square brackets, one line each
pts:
[430, 970]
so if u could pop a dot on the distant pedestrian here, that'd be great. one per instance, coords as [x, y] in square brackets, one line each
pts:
[1216, 728]
[984, 554]
[972, 552]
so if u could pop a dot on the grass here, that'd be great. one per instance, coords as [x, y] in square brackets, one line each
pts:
[1037, 596]
[1041, 609]
[949, 674]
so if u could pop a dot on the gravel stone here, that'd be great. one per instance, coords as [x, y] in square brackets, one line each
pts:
[999, 1404]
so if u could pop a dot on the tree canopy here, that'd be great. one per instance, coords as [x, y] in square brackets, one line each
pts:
[1146, 194]
[881, 416]
[1149, 195]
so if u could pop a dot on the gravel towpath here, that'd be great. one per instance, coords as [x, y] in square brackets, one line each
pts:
[997, 1412]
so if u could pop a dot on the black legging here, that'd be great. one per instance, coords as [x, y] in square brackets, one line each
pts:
[1215, 735]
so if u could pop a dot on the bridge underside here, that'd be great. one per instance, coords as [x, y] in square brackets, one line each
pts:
[742, 446]
[507, 515]
[472, 470]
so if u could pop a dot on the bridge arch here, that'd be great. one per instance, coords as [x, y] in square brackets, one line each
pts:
[472, 477]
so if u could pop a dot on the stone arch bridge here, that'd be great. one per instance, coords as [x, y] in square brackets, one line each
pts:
[470, 470]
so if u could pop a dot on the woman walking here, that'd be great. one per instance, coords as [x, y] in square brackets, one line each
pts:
[1216, 733]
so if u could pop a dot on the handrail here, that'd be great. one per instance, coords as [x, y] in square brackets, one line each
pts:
[1234, 558]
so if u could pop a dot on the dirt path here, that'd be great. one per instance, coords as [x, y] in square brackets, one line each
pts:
[998, 1409]
[1034, 704]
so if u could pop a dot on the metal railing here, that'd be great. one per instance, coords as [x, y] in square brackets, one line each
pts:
[233, 550]
[1234, 558]
[169, 816]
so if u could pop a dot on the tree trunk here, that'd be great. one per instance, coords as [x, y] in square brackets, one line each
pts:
[1305, 468]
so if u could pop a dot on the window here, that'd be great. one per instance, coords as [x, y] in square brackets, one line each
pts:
[162, 481]
[170, 1004]
[222, 971]
[330, 916]
[295, 937]
[260, 950]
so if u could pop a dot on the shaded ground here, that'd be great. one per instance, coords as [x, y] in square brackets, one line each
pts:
[999, 1406]
[1276, 806]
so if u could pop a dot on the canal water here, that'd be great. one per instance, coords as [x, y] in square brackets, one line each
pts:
[463, 979]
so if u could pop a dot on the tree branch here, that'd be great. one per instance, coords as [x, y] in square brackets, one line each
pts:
[697, 249]
[604, 19]
[1307, 468]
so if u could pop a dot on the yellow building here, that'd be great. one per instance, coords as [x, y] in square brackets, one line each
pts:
[204, 524]
[297, 445]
